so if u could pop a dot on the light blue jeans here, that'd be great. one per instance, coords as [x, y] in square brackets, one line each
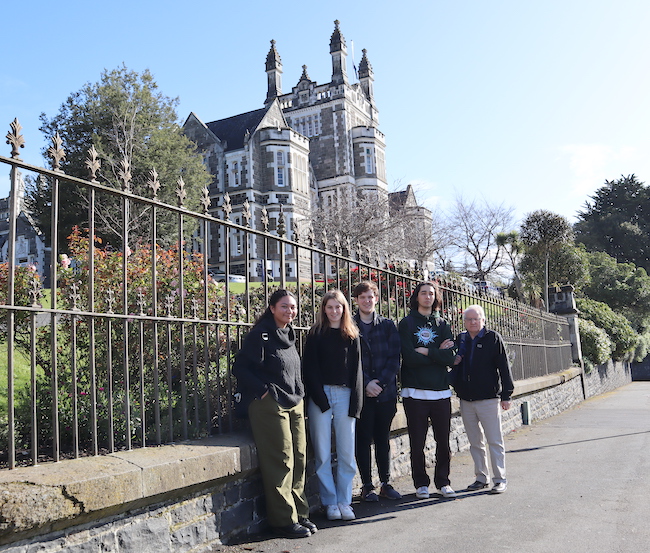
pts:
[320, 426]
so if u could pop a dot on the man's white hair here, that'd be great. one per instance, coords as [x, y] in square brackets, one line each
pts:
[477, 308]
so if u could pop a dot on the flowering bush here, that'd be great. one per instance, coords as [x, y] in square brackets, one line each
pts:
[596, 347]
[131, 363]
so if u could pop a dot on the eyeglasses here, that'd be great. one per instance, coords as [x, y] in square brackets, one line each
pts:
[473, 320]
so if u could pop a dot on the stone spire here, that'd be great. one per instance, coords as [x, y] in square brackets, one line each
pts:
[339, 53]
[304, 76]
[366, 75]
[274, 74]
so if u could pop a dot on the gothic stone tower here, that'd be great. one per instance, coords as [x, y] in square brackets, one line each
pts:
[346, 148]
[315, 143]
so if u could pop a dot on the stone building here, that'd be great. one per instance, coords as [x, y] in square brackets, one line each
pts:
[30, 249]
[314, 145]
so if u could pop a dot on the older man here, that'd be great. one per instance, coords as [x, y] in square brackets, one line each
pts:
[483, 381]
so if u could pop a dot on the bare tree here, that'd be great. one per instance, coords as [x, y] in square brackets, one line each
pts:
[379, 224]
[474, 227]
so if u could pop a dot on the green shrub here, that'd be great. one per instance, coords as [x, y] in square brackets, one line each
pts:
[596, 346]
[643, 347]
[617, 327]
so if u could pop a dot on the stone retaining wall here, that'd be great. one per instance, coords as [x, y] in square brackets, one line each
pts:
[190, 497]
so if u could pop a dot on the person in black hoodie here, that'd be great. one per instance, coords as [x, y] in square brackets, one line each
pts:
[268, 375]
[482, 380]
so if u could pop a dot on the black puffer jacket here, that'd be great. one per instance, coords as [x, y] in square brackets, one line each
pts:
[488, 375]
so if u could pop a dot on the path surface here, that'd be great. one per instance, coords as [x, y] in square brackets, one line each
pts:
[578, 482]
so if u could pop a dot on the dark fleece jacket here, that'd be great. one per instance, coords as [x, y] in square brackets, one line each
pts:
[268, 360]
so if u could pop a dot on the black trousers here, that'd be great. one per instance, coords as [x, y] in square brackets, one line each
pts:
[418, 414]
[374, 425]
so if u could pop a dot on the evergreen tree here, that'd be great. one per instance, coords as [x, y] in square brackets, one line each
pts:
[543, 233]
[616, 220]
[133, 128]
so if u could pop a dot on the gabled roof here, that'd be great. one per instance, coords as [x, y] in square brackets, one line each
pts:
[232, 130]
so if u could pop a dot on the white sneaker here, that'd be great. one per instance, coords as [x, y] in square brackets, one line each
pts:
[346, 512]
[333, 512]
[446, 491]
[422, 492]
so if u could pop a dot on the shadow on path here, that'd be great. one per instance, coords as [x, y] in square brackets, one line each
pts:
[525, 449]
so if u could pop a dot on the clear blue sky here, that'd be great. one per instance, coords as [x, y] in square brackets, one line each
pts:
[533, 104]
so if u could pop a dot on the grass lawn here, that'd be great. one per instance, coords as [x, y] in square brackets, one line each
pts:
[21, 374]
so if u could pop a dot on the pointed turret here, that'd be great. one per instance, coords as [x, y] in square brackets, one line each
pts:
[304, 76]
[366, 76]
[339, 52]
[274, 74]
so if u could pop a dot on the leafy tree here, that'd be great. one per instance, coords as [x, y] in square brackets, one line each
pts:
[543, 233]
[512, 247]
[133, 128]
[568, 264]
[616, 220]
[622, 286]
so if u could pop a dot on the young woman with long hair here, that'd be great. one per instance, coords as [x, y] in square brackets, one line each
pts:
[334, 386]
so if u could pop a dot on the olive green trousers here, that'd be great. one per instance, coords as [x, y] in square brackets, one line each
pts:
[281, 441]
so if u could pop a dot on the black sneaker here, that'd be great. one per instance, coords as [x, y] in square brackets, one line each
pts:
[368, 493]
[478, 485]
[389, 492]
[294, 530]
[308, 524]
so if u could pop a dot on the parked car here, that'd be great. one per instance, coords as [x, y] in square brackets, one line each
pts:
[487, 287]
[221, 277]
[471, 287]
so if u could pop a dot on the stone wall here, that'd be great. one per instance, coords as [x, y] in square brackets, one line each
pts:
[190, 497]
[607, 377]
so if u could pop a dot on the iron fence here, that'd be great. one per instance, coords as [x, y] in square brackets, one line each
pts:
[131, 344]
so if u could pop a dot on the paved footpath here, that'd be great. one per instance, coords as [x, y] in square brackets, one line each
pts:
[578, 482]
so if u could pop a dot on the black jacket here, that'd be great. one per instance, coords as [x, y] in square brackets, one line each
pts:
[488, 375]
[316, 352]
[380, 355]
[268, 360]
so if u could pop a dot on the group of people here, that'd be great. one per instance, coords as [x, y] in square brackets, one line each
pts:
[348, 375]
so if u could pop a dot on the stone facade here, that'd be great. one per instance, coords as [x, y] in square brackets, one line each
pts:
[318, 144]
[30, 249]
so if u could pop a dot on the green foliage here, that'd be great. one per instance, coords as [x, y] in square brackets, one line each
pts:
[617, 221]
[617, 327]
[643, 347]
[622, 286]
[568, 264]
[543, 233]
[597, 348]
[104, 361]
[126, 119]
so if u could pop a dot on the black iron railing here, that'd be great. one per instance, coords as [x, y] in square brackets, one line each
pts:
[131, 344]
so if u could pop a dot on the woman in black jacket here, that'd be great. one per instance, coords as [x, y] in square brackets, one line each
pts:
[334, 382]
[268, 374]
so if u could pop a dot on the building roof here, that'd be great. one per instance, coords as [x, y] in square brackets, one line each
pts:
[232, 130]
